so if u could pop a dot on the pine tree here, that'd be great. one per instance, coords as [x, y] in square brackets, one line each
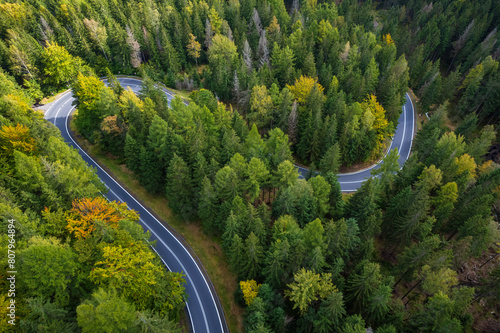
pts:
[227, 184]
[371, 77]
[178, 190]
[430, 133]
[330, 314]
[336, 202]
[362, 206]
[236, 88]
[232, 229]
[415, 256]
[151, 177]
[363, 284]
[278, 147]
[258, 175]
[274, 33]
[479, 147]
[261, 107]
[285, 175]
[256, 21]
[309, 67]
[331, 160]
[160, 142]
[230, 145]
[283, 63]
[254, 145]
[283, 109]
[114, 83]
[200, 171]
[321, 190]
[237, 256]
[341, 238]
[308, 287]
[133, 154]
[252, 258]
[207, 207]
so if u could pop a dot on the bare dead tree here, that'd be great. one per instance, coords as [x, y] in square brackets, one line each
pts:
[135, 48]
[208, 33]
[256, 21]
[263, 50]
[292, 123]
[247, 55]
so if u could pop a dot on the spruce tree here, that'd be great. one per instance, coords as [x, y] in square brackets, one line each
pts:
[178, 190]
[252, 258]
[331, 160]
[133, 154]
[207, 207]
[151, 177]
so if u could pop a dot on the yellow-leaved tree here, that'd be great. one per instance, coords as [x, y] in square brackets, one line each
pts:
[388, 39]
[303, 87]
[129, 270]
[194, 48]
[464, 166]
[380, 124]
[250, 290]
[16, 138]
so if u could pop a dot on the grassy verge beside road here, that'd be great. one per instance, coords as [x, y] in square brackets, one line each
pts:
[205, 247]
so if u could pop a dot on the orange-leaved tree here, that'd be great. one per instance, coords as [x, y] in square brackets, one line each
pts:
[81, 218]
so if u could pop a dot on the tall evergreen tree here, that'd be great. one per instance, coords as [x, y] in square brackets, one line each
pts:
[178, 189]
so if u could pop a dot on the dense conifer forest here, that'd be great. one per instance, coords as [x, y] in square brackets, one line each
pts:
[267, 84]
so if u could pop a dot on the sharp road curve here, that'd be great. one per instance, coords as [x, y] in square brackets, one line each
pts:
[203, 306]
[402, 140]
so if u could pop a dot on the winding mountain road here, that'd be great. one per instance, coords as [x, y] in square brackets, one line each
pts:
[402, 140]
[203, 305]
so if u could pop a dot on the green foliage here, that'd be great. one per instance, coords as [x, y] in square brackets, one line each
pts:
[297, 200]
[107, 310]
[88, 92]
[59, 66]
[204, 157]
[331, 160]
[308, 287]
[363, 286]
[178, 189]
[48, 280]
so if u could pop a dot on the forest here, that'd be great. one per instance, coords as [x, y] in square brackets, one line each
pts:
[267, 85]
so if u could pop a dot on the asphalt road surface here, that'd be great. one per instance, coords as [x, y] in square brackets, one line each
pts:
[402, 139]
[202, 303]
[203, 306]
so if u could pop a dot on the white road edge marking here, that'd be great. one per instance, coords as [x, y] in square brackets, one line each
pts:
[404, 127]
[176, 258]
[159, 256]
[206, 283]
[412, 127]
